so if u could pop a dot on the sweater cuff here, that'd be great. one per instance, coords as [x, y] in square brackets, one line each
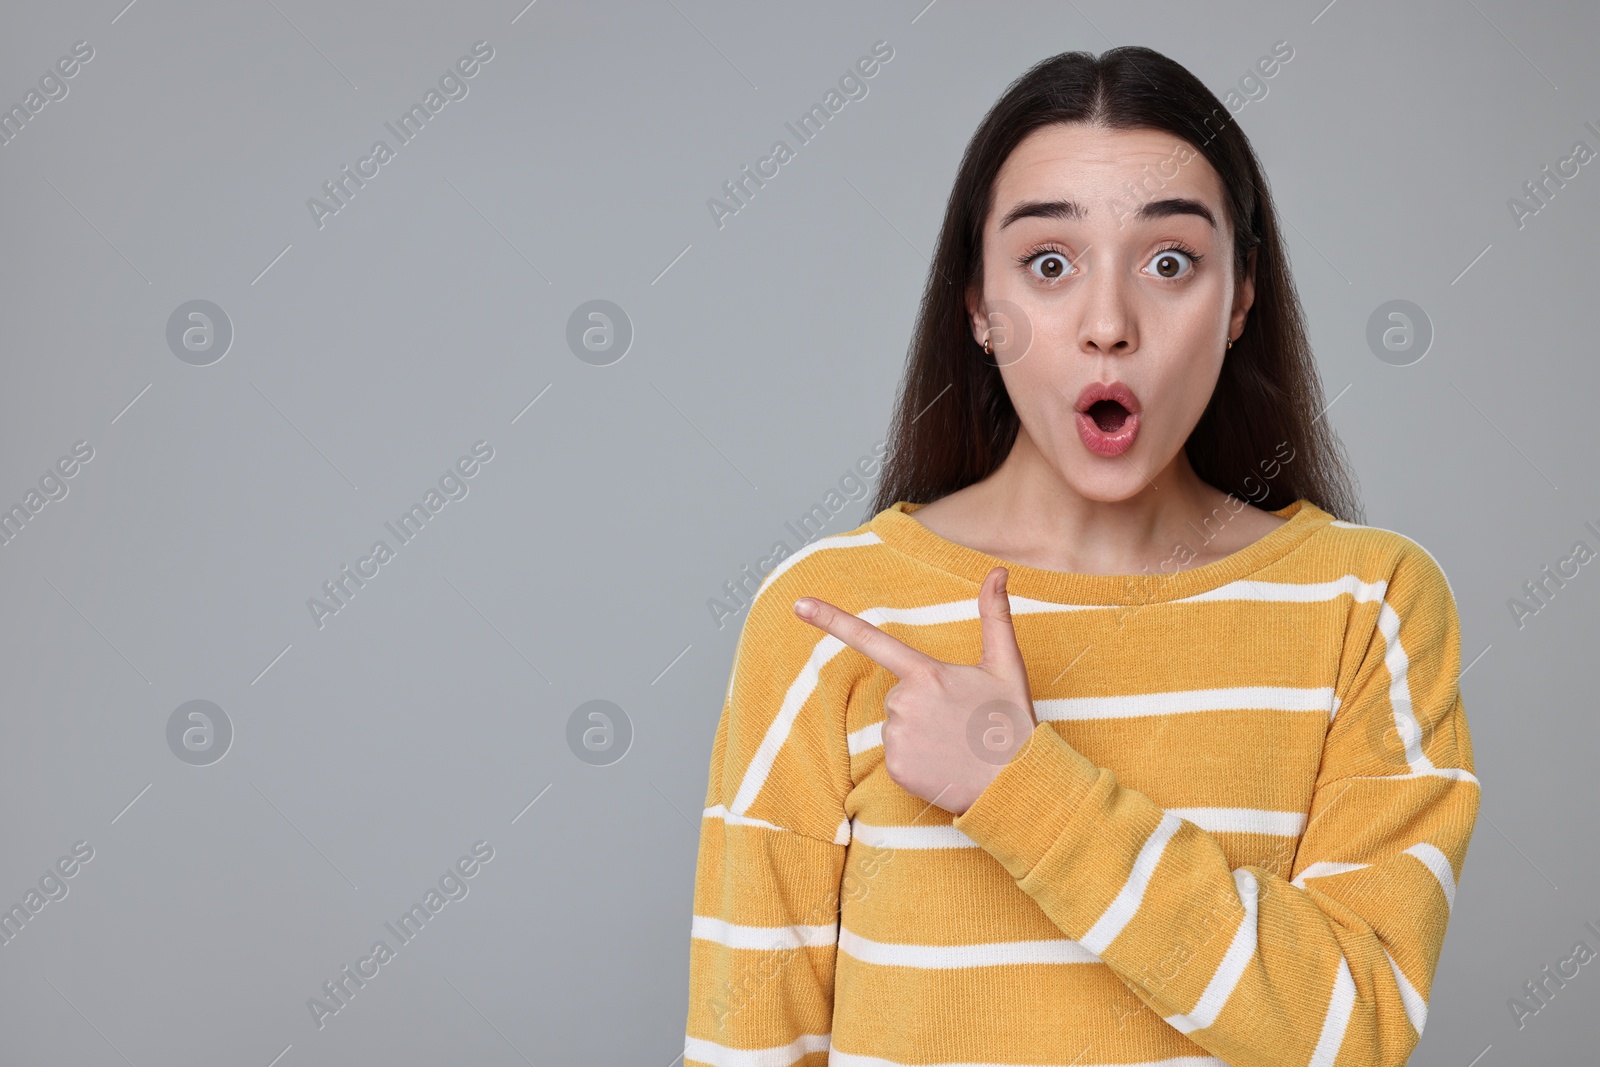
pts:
[1024, 811]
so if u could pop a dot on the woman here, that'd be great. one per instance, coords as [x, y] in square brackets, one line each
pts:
[1070, 754]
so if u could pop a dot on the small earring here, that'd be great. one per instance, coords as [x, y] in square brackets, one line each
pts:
[986, 349]
[1228, 345]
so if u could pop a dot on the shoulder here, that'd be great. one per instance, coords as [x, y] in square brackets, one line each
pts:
[847, 569]
[1408, 571]
[784, 751]
[856, 571]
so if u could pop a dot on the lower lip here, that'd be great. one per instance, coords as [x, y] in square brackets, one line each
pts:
[1107, 444]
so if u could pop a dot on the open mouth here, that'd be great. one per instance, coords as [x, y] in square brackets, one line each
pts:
[1108, 414]
[1108, 417]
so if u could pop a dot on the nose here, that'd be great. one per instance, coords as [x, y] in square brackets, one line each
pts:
[1107, 326]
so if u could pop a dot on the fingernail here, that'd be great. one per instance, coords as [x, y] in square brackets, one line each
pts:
[805, 607]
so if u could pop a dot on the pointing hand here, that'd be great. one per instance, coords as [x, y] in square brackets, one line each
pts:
[951, 728]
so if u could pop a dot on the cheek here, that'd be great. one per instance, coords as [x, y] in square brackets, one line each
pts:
[1191, 324]
[1190, 347]
[1186, 391]
[1036, 389]
[1046, 365]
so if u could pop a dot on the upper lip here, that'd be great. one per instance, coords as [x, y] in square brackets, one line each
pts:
[1097, 391]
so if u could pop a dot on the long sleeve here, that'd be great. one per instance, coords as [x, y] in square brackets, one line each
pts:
[773, 840]
[1330, 966]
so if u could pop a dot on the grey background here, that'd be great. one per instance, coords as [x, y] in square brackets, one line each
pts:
[369, 754]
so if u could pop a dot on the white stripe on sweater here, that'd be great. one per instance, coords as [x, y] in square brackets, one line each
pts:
[755, 775]
[1126, 903]
[733, 935]
[1405, 722]
[835, 541]
[1398, 663]
[1244, 820]
[699, 1050]
[841, 836]
[868, 737]
[1182, 701]
[1439, 864]
[821, 545]
[1214, 820]
[1325, 869]
[1434, 772]
[1341, 1003]
[1167, 702]
[1241, 950]
[1416, 1004]
[1298, 592]
[952, 957]
[850, 1059]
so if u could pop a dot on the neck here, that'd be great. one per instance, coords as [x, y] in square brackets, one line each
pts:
[1037, 509]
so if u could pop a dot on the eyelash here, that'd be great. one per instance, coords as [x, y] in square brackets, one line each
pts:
[1175, 246]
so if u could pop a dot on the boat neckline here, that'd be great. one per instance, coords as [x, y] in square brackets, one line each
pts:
[897, 527]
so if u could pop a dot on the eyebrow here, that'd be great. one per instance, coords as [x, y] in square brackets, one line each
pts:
[1071, 209]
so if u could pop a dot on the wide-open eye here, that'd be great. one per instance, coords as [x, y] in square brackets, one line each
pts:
[1046, 263]
[1174, 263]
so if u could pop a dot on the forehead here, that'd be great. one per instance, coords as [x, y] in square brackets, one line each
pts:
[1100, 168]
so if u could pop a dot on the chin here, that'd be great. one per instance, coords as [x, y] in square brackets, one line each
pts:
[1107, 482]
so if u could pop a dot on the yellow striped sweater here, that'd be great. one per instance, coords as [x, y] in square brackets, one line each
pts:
[1234, 839]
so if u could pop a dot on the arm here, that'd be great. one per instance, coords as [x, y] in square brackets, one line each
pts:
[772, 851]
[1331, 966]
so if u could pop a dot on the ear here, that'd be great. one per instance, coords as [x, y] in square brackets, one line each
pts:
[1244, 295]
[977, 315]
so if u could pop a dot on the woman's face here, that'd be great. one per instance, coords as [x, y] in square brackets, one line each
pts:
[1101, 266]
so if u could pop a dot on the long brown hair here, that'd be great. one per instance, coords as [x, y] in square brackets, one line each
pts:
[954, 422]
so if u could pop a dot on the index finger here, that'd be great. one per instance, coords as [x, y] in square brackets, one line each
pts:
[883, 649]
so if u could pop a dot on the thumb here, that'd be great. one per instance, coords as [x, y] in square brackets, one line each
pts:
[1002, 656]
